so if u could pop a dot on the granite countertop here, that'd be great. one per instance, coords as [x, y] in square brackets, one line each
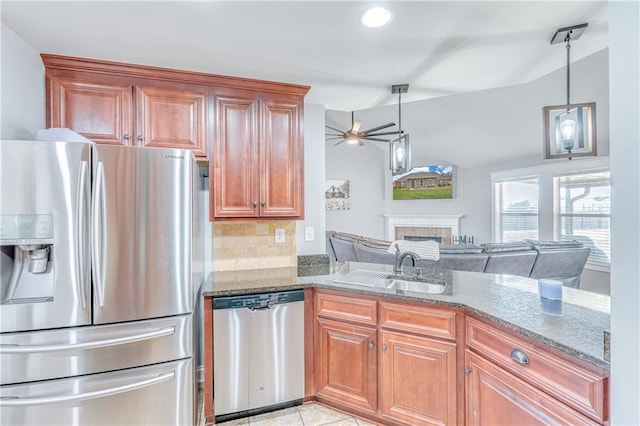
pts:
[575, 326]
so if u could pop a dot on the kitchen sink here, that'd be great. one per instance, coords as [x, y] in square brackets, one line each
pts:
[415, 286]
[401, 283]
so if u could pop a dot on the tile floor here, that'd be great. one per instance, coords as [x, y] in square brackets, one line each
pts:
[302, 415]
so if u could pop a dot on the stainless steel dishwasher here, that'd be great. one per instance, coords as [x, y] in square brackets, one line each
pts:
[258, 353]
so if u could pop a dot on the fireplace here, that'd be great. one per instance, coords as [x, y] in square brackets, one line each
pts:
[440, 228]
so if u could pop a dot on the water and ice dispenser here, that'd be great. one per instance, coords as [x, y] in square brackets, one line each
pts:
[26, 252]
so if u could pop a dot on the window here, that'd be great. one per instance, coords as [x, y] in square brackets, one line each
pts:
[582, 211]
[516, 210]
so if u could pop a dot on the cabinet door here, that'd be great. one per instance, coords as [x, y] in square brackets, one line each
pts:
[98, 111]
[496, 397]
[281, 160]
[234, 171]
[172, 117]
[417, 380]
[346, 364]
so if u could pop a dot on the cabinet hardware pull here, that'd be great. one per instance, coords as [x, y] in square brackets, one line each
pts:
[140, 138]
[255, 204]
[264, 203]
[371, 345]
[384, 348]
[126, 137]
[467, 371]
[520, 357]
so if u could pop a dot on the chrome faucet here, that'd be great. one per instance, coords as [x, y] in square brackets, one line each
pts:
[401, 256]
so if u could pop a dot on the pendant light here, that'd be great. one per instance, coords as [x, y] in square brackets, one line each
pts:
[565, 124]
[400, 148]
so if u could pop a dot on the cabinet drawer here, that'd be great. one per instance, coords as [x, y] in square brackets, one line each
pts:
[574, 385]
[418, 319]
[346, 308]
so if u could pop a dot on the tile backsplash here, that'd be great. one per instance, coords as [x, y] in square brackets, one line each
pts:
[251, 245]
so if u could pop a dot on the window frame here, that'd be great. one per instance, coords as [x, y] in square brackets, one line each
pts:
[545, 173]
[497, 206]
[594, 264]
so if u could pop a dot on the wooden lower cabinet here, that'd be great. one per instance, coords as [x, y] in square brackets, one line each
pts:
[369, 360]
[496, 397]
[346, 364]
[417, 380]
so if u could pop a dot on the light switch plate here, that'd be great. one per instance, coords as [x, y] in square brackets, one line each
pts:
[309, 234]
[279, 235]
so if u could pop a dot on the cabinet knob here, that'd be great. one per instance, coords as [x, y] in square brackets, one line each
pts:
[467, 371]
[140, 138]
[264, 203]
[520, 357]
[126, 137]
[255, 204]
[384, 348]
[371, 345]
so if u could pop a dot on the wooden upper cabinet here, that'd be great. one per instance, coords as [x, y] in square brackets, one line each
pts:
[172, 117]
[258, 161]
[99, 111]
[235, 181]
[282, 174]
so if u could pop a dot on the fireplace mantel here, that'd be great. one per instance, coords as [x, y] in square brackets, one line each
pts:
[451, 222]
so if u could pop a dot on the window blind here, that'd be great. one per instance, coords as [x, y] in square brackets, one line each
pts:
[516, 209]
[582, 211]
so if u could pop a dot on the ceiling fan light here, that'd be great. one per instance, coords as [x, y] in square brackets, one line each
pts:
[375, 17]
[352, 140]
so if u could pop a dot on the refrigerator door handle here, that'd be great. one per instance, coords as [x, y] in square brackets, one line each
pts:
[98, 207]
[20, 349]
[12, 401]
[81, 218]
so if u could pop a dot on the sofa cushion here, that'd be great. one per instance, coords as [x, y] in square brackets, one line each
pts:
[505, 247]
[546, 245]
[460, 249]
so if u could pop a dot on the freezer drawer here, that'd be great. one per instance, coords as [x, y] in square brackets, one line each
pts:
[49, 354]
[161, 394]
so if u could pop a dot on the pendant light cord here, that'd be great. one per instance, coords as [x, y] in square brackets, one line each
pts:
[568, 38]
[399, 114]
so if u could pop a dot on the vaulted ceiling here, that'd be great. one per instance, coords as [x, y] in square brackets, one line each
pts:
[438, 47]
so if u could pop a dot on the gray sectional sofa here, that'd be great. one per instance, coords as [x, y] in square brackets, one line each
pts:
[561, 260]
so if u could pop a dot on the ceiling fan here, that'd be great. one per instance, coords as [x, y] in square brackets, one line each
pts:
[355, 136]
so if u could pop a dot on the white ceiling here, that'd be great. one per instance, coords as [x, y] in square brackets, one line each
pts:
[439, 48]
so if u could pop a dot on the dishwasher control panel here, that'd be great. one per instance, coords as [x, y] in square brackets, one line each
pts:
[258, 301]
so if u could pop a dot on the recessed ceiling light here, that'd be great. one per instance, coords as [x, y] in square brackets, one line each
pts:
[375, 17]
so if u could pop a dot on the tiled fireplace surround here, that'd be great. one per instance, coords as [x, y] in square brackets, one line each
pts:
[443, 227]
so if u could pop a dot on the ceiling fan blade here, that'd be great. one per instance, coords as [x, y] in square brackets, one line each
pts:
[334, 138]
[383, 133]
[356, 126]
[338, 142]
[374, 129]
[375, 139]
[334, 129]
[334, 134]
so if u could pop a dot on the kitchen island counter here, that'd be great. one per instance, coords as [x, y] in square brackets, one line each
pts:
[575, 327]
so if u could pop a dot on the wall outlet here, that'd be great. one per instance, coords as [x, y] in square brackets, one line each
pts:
[309, 234]
[279, 235]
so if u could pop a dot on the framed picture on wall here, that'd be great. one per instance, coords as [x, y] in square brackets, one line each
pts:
[424, 183]
[570, 131]
[337, 195]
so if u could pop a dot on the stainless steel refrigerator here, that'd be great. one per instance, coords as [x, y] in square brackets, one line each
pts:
[100, 269]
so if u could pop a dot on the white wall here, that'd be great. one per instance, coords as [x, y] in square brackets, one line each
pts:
[443, 129]
[624, 65]
[21, 87]
[314, 172]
